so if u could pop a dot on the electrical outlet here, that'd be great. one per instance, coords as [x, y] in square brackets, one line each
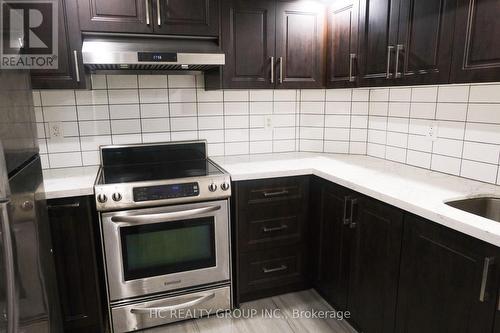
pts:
[268, 122]
[433, 131]
[56, 130]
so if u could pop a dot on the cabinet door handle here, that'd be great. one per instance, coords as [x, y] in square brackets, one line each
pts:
[483, 295]
[272, 69]
[346, 206]
[158, 12]
[399, 48]
[281, 227]
[77, 70]
[275, 194]
[388, 68]
[9, 269]
[352, 219]
[146, 2]
[275, 269]
[352, 56]
[281, 70]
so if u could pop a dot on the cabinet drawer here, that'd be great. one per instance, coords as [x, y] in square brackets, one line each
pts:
[264, 270]
[261, 191]
[273, 226]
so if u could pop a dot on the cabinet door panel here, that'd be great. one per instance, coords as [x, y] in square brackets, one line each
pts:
[441, 277]
[76, 265]
[248, 35]
[194, 17]
[426, 34]
[300, 42]
[335, 241]
[342, 43]
[375, 265]
[127, 16]
[378, 21]
[65, 76]
[476, 56]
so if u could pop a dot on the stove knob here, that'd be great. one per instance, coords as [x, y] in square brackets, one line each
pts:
[212, 187]
[224, 186]
[117, 196]
[102, 198]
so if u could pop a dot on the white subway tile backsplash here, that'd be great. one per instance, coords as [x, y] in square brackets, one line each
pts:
[124, 111]
[93, 112]
[479, 171]
[149, 125]
[183, 109]
[124, 96]
[154, 95]
[122, 81]
[485, 93]
[182, 95]
[153, 81]
[126, 126]
[91, 97]
[484, 113]
[160, 110]
[451, 111]
[453, 94]
[59, 113]
[210, 109]
[181, 81]
[389, 123]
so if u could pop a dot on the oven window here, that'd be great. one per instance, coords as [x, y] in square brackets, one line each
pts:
[168, 247]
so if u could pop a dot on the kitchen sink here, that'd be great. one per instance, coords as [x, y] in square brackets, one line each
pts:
[488, 207]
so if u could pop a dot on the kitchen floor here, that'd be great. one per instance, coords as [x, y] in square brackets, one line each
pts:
[283, 305]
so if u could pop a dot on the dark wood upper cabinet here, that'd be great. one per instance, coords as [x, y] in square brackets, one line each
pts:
[375, 258]
[476, 54]
[300, 44]
[334, 242]
[425, 43]
[70, 73]
[378, 33]
[72, 228]
[248, 38]
[447, 278]
[342, 43]
[125, 16]
[181, 17]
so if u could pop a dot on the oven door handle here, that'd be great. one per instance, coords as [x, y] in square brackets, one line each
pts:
[174, 307]
[130, 220]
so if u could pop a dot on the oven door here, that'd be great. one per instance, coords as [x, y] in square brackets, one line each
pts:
[161, 249]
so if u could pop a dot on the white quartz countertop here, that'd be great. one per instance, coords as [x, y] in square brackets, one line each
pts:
[418, 191]
[69, 182]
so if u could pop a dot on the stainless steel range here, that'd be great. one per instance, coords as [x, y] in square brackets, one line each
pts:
[164, 218]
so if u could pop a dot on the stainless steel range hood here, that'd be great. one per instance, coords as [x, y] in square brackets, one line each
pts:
[115, 53]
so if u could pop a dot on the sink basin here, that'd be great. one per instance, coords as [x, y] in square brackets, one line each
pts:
[487, 207]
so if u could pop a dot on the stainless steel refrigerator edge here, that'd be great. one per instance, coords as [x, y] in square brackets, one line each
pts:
[28, 287]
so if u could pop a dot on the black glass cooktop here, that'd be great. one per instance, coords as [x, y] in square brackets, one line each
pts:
[157, 171]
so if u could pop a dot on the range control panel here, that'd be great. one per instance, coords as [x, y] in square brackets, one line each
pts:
[162, 192]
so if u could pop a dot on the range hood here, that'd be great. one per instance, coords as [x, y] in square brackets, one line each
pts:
[112, 53]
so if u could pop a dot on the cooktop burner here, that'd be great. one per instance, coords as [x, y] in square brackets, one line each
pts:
[158, 171]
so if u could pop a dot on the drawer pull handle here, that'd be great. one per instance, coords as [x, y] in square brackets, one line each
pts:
[281, 227]
[275, 194]
[273, 270]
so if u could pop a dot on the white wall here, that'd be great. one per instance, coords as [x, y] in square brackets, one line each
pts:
[389, 123]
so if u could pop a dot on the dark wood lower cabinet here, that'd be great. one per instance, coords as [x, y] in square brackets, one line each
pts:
[269, 239]
[375, 258]
[72, 222]
[448, 281]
